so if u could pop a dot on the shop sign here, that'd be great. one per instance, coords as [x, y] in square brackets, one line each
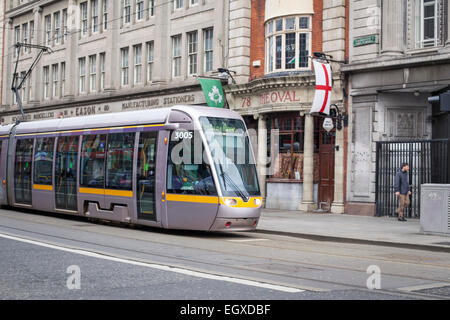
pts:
[328, 124]
[115, 106]
[271, 98]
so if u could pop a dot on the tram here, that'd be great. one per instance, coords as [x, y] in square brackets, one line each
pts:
[183, 167]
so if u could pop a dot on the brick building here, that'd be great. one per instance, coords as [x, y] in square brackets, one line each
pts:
[278, 97]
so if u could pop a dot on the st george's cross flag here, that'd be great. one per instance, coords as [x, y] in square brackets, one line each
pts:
[322, 97]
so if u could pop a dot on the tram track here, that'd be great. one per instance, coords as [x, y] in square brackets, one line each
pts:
[247, 268]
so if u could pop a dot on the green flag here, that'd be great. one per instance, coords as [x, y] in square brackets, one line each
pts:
[212, 89]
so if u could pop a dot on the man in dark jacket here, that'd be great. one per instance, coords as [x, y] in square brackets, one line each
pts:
[402, 190]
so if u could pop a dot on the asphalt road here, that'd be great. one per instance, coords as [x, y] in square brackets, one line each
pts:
[50, 257]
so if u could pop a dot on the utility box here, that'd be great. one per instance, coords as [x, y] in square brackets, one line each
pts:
[435, 208]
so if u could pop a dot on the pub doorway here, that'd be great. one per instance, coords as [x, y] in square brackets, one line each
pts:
[327, 141]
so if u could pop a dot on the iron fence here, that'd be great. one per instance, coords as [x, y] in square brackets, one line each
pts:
[428, 161]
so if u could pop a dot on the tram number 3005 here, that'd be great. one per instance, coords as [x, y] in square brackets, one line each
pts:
[180, 135]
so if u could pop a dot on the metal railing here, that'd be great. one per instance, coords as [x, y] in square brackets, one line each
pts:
[428, 161]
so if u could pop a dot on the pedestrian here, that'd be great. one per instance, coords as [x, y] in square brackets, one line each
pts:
[402, 190]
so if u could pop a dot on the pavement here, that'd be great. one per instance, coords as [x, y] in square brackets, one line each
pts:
[386, 231]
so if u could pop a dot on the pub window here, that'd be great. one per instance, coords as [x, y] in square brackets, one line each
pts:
[43, 161]
[288, 44]
[119, 166]
[93, 161]
[291, 129]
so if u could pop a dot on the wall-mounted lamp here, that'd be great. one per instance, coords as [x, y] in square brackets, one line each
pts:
[228, 72]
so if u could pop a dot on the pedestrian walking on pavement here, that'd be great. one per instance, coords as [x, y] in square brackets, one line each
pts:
[402, 190]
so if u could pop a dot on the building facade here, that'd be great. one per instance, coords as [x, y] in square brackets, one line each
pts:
[399, 56]
[300, 164]
[110, 56]
[2, 37]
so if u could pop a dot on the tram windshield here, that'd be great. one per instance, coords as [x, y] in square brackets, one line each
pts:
[232, 156]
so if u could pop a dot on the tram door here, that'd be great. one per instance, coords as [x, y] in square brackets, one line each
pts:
[22, 171]
[146, 175]
[66, 172]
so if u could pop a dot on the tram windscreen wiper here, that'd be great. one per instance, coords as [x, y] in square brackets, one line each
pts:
[240, 193]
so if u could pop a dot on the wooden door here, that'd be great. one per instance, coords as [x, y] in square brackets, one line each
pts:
[326, 164]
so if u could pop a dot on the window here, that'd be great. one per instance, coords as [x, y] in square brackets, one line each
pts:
[63, 78]
[177, 4]
[46, 82]
[151, 8]
[22, 171]
[93, 161]
[176, 56]
[31, 32]
[105, 14]
[119, 165]
[25, 36]
[150, 60]
[124, 64]
[16, 39]
[185, 173]
[102, 70]
[126, 11]
[82, 75]
[208, 36]
[95, 16]
[43, 161]
[427, 23]
[139, 10]
[193, 2]
[65, 28]
[137, 63]
[48, 30]
[288, 44]
[55, 80]
[290, 145]
[84, 18]
[57, 27]
[192, 52]
[92, 73]
[24, 86]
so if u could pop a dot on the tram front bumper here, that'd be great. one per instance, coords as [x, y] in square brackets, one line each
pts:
[237, 216]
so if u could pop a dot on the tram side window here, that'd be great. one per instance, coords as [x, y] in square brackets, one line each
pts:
[187, 172]
[43, 161]
[93, 161]
[119, 167]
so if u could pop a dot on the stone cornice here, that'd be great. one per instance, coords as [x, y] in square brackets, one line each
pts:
[267, 83]
[396, 63]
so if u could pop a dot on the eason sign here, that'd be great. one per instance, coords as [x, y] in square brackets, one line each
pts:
[328, 124]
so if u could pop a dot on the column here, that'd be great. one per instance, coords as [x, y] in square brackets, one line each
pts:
[35, 76]
[447, 17]
[393, 27]
[262, 154]
[308, 166]
[71, 52]
[338, 202]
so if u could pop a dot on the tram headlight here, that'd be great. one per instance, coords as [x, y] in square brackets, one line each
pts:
[231, 202]
[257, 202]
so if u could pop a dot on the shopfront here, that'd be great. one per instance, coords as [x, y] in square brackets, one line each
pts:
[297, 157]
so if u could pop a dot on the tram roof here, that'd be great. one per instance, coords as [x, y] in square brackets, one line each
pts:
[117, 119]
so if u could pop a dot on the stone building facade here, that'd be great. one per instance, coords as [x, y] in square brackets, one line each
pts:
[300, 165]
[399, 56]
[110, 56]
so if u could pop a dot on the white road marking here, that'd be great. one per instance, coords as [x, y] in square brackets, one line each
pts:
[247, 240]
[157, 266]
